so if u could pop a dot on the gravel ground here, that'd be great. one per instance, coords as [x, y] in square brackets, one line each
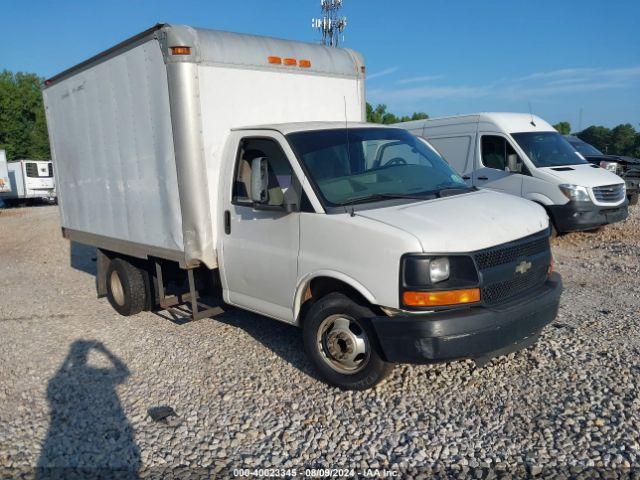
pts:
[77, 380]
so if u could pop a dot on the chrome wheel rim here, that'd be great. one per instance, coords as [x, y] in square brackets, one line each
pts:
[343, 344]
[117, 291]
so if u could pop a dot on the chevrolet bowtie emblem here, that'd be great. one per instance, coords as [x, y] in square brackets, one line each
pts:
[523, 267]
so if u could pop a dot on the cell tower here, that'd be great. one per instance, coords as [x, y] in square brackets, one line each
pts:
[330, 25]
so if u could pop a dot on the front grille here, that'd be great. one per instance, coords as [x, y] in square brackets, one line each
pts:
[51, 170]
[609, 193]
[632, 173]
[510, 253]
[504, 291]
[502, 278]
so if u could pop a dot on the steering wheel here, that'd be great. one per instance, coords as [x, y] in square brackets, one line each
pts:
[395, 161]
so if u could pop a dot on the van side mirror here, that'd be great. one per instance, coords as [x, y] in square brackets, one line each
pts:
[260, 180]
[514, 163]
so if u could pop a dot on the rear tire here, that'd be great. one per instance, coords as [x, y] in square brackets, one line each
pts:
[126, 288]
[341, 344]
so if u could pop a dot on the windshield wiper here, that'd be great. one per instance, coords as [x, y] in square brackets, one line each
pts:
[448, 191]
[386, 196]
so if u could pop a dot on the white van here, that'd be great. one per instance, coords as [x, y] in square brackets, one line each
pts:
[29, 180]
[523, 155]
[360, 234]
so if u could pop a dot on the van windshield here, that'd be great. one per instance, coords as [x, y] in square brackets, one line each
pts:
[548, 149]
[362, 165]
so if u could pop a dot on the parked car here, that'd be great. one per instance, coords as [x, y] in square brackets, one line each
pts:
[523, 155]
[626, 167]
[29, 180]
[360, 234]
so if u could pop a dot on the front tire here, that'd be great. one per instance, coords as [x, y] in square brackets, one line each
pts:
[341, 344]
[633, 200]
[126, 289]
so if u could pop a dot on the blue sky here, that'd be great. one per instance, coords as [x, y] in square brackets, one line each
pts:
[441, 57]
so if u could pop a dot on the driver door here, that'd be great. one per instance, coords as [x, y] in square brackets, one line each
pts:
[260, 247]
[493, 172]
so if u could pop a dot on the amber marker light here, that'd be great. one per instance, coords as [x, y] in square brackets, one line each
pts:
[275, 60]
[304, 63]
[441, 298]
[180, 50]
[292, 62]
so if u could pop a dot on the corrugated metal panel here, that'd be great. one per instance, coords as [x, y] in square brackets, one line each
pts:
[111, 134]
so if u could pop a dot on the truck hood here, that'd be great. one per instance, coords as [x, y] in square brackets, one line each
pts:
[464, 223]
[614, 158]
[583, 175]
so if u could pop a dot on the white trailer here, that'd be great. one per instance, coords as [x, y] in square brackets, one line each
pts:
[239, 166]
[5, 183]
[29, 180]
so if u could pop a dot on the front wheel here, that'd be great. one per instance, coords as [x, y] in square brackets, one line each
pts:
[341, 344]
[633, 199]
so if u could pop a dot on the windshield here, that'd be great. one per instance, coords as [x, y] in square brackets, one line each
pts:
[548, 149]
[583, 147]
[367, 164]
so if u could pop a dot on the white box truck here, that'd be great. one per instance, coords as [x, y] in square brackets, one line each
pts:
[28, 180]
[521, 154]
[239, 164]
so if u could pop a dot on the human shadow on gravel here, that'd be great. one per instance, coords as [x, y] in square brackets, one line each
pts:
[83, 258]
[89, 435]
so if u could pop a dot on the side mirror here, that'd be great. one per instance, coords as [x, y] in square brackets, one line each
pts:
[514, 163]
[259, 180]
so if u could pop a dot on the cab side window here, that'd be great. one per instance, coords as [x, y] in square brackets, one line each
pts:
[282, 185]
[495, 151]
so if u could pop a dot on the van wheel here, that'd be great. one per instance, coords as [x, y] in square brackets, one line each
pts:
[126, 288]
[341, 344]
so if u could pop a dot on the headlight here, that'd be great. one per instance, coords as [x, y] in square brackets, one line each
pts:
[575, 193]
[439, 269]
[611, 166]
[431, 281]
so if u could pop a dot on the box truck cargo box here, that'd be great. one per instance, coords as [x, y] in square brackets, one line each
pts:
[137, 132]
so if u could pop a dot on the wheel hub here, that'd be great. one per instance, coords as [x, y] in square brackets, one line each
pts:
[343, 344]
[340, 344]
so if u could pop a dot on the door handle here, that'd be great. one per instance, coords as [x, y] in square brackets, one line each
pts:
[466, 177]
[483, 178]
[227, 222]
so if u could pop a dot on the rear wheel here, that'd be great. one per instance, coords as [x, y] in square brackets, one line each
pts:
[342, 345]
[126, 289]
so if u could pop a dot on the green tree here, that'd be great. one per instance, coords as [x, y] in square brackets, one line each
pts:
[564, 128]
[380, 114]
[599, 137]
[23, 128]
[623, 139]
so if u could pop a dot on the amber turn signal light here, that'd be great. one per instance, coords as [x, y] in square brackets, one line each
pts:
[180, 50]
[441, 298]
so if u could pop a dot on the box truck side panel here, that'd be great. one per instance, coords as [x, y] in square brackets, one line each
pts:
[112, 144]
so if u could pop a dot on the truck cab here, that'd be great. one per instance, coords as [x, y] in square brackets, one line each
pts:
[366, 238]
[523, 155]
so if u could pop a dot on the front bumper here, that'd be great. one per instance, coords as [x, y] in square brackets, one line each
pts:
[477, 333]
[576, 216]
